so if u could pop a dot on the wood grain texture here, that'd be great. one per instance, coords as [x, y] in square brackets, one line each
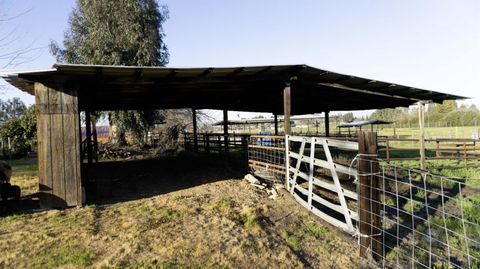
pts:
[43, 145]
[71, 150]
[286, 109]
[369, 202]
[58, 135]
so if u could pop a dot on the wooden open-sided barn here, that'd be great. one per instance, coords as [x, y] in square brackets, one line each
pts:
[63, 91]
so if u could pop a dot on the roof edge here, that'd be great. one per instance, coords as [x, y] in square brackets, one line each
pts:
[15, 72]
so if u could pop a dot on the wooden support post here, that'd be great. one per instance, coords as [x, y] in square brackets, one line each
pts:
[369, 203]
[388, 149]
[88, 133]
[275, 117]
[225, 129]
[204, 141]
[421, 125]
[438, 153]
[185, 141]
[58, 136]
[219, 140]
[327, 124]
[207, 141]
[195, 135]
[287, 102]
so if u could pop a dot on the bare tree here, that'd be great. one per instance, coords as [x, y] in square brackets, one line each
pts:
[13, 50]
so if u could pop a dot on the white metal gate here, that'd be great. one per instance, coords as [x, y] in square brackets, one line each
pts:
[302, 150]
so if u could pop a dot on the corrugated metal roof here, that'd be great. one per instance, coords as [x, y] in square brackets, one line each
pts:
[253, 88]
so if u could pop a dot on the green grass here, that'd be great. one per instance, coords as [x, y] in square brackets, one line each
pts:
[412, 206]
[467, 178]
[250, 218]
[447, 168]
[442, 265]
[168, 214]
[250, 221]
[296, 234]
[69, 220]
[469, 206]
[317, 230]
[14, 217]
[294, 241]
[444, 132]
[164, 214]
[54, 258]
[24, 167]
[450, 132]
[221, 204]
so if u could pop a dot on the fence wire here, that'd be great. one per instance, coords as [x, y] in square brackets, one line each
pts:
[266, 157]
[427, 220]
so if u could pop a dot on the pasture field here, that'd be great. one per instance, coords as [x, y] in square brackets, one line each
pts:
[24, 174]
[433, 132]
[430, 132]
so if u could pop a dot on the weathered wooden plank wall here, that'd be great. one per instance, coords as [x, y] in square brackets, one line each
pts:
[58, 146]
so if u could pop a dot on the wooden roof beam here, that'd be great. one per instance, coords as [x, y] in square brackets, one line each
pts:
[339, 86]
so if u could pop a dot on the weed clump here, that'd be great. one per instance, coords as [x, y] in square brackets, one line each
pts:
[317, 230]
[250, 218]
[167, 214]
[221, 204]
[294, 241]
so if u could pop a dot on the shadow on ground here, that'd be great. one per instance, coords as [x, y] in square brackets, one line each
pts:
[119, 181]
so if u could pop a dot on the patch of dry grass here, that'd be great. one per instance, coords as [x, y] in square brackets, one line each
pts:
[226, 224]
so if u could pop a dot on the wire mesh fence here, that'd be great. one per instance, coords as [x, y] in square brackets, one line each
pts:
[214, 142]
[415, 219]
[424, 220]
[266, 157]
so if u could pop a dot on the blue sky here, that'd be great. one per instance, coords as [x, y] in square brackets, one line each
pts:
[428, 44]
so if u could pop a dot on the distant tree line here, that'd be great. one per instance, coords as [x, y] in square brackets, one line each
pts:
[17, 128]
[448, 112]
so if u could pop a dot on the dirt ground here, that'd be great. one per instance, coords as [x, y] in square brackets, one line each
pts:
[176, 214]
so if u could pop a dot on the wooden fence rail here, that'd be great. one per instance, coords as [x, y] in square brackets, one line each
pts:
[215, 142]
[403, 149]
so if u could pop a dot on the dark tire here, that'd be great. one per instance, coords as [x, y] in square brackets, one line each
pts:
[15, 192]
[5, 191]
